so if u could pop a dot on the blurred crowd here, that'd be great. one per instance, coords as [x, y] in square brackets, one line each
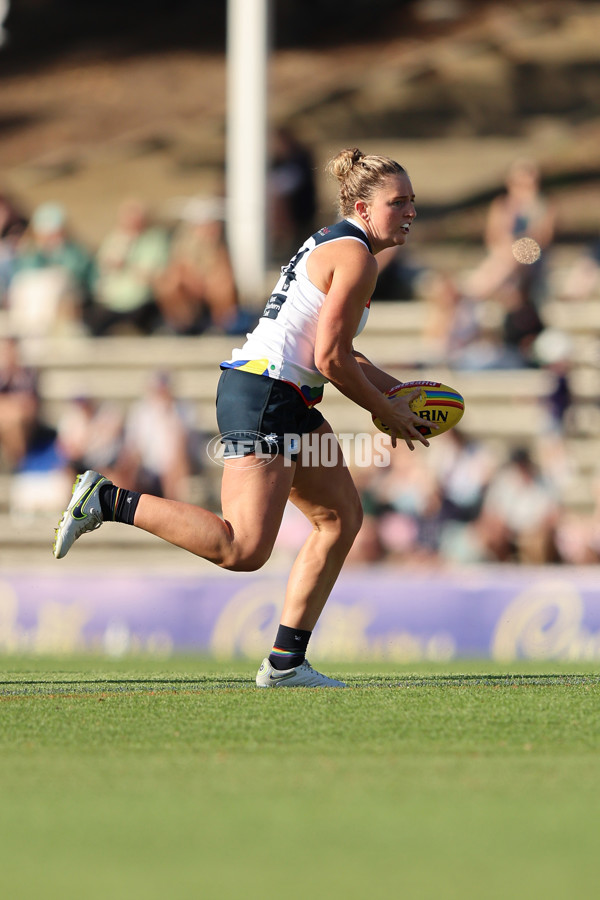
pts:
[153, 445]
[469, 501]
[146, 276]
[462, 501]
[478, 501]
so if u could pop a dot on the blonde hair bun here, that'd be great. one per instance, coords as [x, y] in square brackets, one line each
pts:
[342, 164]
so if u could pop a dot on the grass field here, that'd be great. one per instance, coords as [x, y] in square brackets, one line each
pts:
[179, 779]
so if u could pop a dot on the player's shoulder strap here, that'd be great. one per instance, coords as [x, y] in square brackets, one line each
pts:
[342, 229]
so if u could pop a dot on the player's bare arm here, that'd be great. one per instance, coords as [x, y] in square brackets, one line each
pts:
[352, 279]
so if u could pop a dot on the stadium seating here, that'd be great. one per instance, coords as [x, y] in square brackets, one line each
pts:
[505, 406]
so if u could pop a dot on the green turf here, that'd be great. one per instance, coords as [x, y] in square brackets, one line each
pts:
[179, 779]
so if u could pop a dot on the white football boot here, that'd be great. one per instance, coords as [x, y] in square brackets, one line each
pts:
[82, 514]
[301, 676]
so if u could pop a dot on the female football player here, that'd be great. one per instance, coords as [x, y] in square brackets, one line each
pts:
[266, 405]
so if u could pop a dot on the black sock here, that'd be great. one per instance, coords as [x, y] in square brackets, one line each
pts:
[289, 648]
[117, 504]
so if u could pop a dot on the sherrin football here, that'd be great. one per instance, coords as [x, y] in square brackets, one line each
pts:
[436, 402]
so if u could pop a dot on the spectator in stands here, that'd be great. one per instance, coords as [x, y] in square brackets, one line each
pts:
[11, 217]
[461, 332]
[578, 534]
[397, 276]
[521, 325]
[156, 453]
[464, 468]
[130, 260]
[53, 276]
[18, 404]
[520, 212]
[404, 499]
[292, 192]
[553, 350]
[28, 446]
[452, 329]
[12, 226]
[90, 434]
[520, 514]
[368, 546]
[582, 280]
[519, 231]
[197, 289]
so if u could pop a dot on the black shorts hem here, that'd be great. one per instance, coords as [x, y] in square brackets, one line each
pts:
[258, 414]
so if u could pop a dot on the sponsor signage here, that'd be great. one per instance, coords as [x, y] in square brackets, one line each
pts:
[373, 614]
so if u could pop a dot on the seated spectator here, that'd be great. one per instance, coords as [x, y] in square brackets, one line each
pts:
[521, 325]
[197, 289]
[28, 447]
[397, 276]
[53, 277]
[155, 453]
[520, 212]
[40, 480]
[18, 404]
[90, 436]
[578, 535]
[405, 500]
[12, 225]
[519, 518]
[368, 546]
[452, 321]
[461, 332]
[582, 280]
[9, 243]
[554, 351]
[463, 467]
[292, 193]
[11, 218]
[130, 260]
[519, 232]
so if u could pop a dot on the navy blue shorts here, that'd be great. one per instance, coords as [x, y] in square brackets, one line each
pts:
[257, 414]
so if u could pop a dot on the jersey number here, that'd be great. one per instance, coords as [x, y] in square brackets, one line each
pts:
[277, 299]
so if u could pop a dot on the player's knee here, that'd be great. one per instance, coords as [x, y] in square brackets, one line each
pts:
[353, 518]
[247, 559]
[345, 522]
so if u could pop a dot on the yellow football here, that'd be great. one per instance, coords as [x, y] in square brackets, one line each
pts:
[436, 402]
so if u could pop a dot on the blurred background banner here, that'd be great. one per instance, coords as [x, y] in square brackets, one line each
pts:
[504, 616]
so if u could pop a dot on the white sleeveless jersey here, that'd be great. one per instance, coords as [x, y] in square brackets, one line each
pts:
[282, 345]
